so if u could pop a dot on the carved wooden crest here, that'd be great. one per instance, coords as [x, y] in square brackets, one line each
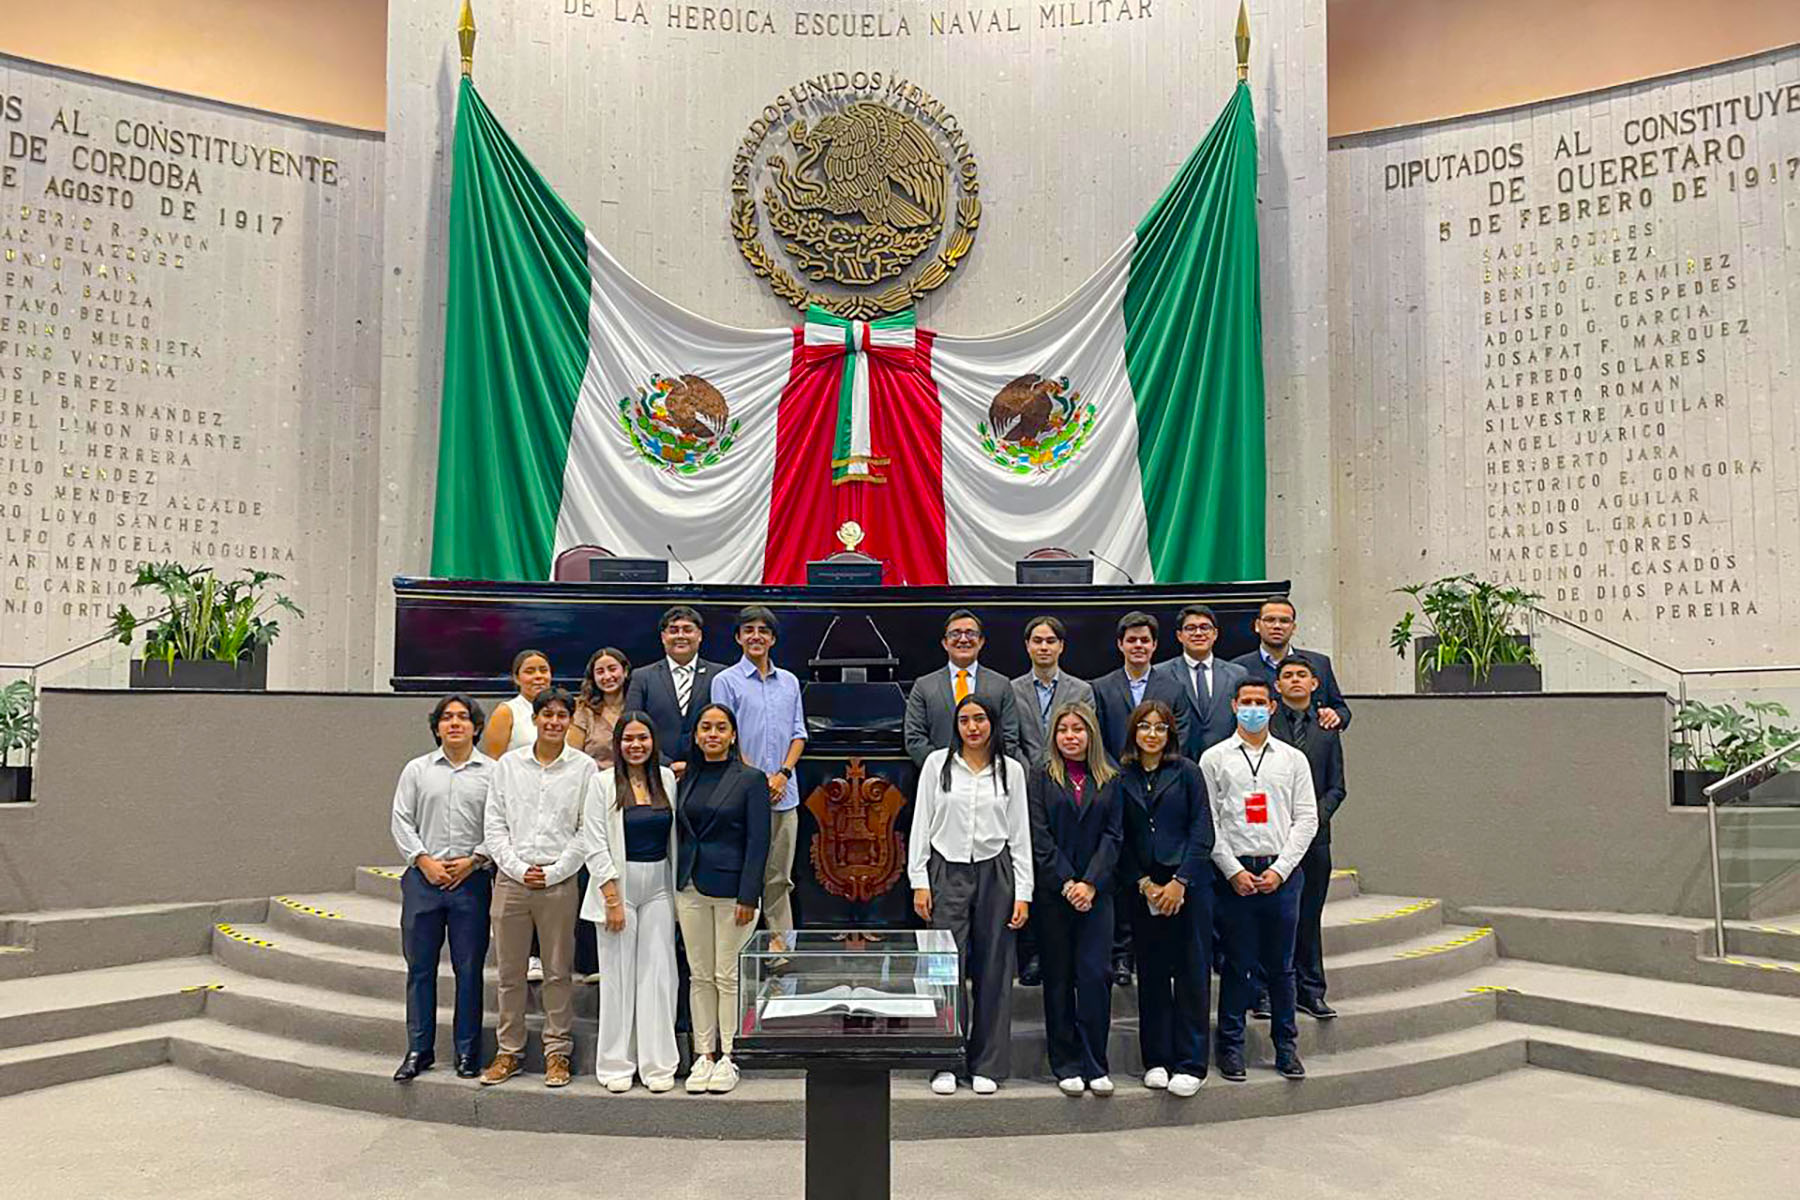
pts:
[856, 854]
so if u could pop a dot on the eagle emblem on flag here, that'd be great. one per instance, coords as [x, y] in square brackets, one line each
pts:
[1036, 425]
[681, 424]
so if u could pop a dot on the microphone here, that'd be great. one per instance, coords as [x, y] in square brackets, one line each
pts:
[1115, 566]
[670, 547]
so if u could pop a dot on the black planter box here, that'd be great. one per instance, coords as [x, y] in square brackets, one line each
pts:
[15, 785]
[250, 674]
[1687, 789]
[1459, 679]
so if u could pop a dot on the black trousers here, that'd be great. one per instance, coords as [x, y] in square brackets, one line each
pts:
[1174, 955]
[1125, 895]
[974, 901]
[1309, 946]
[1076, 951]
[427, 914]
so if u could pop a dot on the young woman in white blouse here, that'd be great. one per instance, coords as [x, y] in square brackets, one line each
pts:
[969, 861]
[632, 812]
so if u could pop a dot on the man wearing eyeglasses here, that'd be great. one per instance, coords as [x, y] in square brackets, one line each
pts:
[931, 705]
[1275, 625]
[1209, 681]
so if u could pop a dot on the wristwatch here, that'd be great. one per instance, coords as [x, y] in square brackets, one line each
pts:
[785, 773]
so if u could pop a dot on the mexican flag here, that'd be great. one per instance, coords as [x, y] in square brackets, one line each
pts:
[582, 409]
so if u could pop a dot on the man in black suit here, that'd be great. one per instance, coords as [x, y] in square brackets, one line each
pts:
[1297, 724]
[1209, 681]
[1115, 695]
[931, 705]
[1275, 628]
[674, 689]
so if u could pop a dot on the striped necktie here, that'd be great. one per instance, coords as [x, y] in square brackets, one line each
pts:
[684, 686]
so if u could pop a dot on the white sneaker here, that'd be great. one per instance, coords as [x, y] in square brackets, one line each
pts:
[982, 1085]
[700, 1076]
[724, 1076]
[1102, 1086]
[1071, 1086]
[944, 1083]
[659, 1085]
[619, 1087]
[1156, 1079]
[587, 978]
[534, 970]
[1184, 1085]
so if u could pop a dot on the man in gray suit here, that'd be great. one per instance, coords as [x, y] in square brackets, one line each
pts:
[1045, 688]
[931, 705]
[1209, 681]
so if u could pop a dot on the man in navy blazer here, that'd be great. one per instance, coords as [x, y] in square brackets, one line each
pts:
[657, 688]
[1208, 680]
[1296, 724]
[1118, 692]
[1275, 628]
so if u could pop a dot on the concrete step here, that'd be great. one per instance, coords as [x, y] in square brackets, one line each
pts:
[1684, 1016]
[1647, 945]
[1761, 1086]
[51, 942]
[57, 1007]
[765, 1107]
[1777, 938]
[65, 1060]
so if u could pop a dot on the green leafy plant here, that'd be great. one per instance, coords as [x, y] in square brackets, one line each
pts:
[206, 617]
[1724, 738]
[18, 719]
[1474, 621]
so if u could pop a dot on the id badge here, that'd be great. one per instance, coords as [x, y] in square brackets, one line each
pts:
[1256, 808]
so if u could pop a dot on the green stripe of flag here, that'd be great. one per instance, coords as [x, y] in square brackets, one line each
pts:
[515, 350]
[1193, 351]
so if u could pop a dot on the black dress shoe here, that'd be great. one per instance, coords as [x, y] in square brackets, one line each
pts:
[1231, 1066]
[1031, 973]
[1261, 1010]
[1318, 1010]
[467, 1067]
[412, 1066]
[1287, 1062]
[1121, 974]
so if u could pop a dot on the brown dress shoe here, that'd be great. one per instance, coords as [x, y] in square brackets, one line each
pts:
[503, 1068]
[556, 1071]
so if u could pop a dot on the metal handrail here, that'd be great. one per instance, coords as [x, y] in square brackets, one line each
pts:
[32, 669]
[1760, 669]
[1763, 768]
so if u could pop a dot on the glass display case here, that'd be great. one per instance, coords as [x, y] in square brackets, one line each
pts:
[885, 998]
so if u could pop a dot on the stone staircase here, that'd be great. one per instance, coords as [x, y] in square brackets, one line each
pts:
[302, 997]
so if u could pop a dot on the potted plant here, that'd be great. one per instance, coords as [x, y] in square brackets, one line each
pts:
[1712, 740]
[1471, 641]
[18, 732]
[213, 633]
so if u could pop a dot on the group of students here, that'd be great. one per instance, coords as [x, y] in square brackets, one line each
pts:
[1146, 816]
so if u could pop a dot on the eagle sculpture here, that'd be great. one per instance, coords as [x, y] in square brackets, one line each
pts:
[876, 162]
[696, 407]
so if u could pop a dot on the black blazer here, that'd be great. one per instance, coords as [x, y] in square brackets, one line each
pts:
[1070, 843]
[652, 690]
[1326, 696]
[722, 839]
[1167, 823]
[1325, 755]
[1112, 704]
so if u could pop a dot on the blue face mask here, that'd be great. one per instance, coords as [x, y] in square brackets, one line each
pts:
[1253, 717]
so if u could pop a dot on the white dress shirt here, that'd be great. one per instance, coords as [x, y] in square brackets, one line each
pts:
[1203, 683]
[971, 822]
[439, 807]
[534, 813]
[1234, 769]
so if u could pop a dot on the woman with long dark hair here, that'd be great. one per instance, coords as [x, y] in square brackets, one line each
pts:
[513, 724]
[632, 812]
[722, 846]
[969, 862]
[1075, 834]
[1165, 863]
[600, 704]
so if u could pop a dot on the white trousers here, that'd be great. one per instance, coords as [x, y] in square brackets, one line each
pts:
[638, 982]
[713, 938]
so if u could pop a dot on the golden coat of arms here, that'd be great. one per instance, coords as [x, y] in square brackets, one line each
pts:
[856, 854]
[868, 188]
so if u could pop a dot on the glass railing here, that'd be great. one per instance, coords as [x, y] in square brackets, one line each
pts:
[99, 662]
[1753, 832]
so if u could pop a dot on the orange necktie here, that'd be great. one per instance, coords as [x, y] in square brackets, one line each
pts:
[962, 686]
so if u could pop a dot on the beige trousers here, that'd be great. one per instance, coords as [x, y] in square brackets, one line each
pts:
[778, 875]
[710, 931]
[551, 911]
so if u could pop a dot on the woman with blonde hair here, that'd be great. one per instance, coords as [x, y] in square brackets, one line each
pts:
[1076, 830]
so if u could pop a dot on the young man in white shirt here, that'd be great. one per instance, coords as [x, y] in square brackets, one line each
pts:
[1264, 818]
[533, 831]
[439, 806]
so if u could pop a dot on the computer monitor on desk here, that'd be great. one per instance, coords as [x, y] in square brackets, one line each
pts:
[848, 569]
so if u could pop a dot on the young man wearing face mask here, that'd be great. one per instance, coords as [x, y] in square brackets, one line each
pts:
[1264, 818]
